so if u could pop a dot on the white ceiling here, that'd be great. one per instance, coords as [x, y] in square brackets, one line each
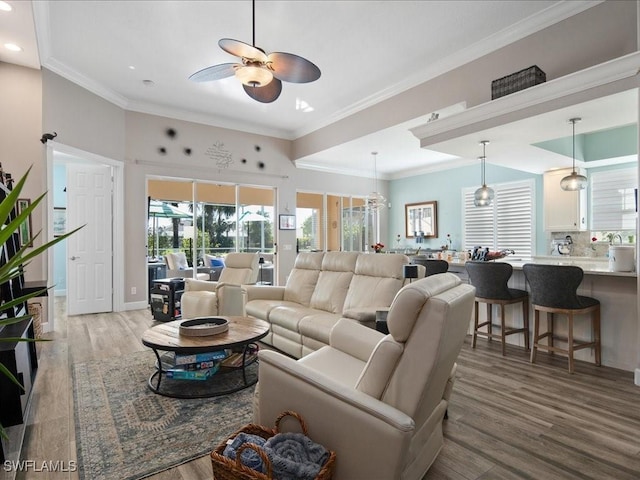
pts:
[367, 51]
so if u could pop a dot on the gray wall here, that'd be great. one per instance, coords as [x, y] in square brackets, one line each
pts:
[20, 147]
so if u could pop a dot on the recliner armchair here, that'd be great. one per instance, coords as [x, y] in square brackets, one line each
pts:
[378, 401]
[224, 297]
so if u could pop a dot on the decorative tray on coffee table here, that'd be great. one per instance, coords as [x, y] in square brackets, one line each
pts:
[204, 326]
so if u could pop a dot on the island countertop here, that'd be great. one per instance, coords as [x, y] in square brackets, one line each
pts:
[590, 265]
[617, 293]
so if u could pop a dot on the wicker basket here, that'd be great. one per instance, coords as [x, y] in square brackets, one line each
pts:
[515, 82]
[226, 469]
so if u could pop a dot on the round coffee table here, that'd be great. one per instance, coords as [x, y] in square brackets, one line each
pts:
[241, 336]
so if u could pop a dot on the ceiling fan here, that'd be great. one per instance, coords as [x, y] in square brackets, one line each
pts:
[261, 74]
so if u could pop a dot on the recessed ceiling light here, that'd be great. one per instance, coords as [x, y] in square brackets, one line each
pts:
[5, 7]
[131, 67]
[13, 47]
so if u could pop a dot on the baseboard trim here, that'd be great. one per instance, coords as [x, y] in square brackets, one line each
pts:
[136, 305]
[637, 377]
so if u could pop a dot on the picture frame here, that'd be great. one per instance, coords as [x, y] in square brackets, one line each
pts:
[421, 217]
[25, 228]
[59, 221]
[287, 222]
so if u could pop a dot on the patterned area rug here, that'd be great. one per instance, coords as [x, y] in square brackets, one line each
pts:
[126, 432]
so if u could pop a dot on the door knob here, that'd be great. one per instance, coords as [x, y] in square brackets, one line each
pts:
[73, 258]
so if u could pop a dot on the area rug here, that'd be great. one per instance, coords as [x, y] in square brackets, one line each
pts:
[126, 432]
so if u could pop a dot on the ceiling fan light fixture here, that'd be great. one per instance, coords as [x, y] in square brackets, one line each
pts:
[254, 75]
[574, 181]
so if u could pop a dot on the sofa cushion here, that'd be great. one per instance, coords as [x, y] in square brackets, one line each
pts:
[303, 278]
[339, 366]
[261, 308]
[376, 281]
[288, 315]
[318, 326]
[331, 291]
[333, 281]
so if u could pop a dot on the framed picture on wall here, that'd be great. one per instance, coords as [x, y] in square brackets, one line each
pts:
[25, 229]
[287, 222]
[421, 219]
[59, 221]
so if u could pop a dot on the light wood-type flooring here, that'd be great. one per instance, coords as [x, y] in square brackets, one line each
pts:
[508, 419]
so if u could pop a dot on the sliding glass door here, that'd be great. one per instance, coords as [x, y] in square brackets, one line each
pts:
[206, 219]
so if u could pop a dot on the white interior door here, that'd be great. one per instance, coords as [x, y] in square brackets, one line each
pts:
[89, 251]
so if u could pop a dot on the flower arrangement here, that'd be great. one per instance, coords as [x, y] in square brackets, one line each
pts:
[593, 244]
[377, 247]
[449, 240]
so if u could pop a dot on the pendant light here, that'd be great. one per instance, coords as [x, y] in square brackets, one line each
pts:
[375, 200]
[574, 181]
[484, 195]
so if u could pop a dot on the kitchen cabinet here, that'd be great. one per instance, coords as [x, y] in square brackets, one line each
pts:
[563, 211]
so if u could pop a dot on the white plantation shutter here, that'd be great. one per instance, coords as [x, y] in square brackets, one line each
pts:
[508, 223]
[613, 203]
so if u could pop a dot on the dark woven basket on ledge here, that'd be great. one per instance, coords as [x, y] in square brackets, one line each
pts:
[226, 469]
[515, 82]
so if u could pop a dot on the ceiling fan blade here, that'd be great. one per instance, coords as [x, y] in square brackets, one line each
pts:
[216, 72]
[267, 94]
[293, 68]
[241, 49]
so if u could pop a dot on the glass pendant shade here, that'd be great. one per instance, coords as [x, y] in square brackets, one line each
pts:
[483, 196]
[253, 76]
[574, 181]
[375, 200]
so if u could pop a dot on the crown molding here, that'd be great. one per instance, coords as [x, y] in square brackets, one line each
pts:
[517, 31]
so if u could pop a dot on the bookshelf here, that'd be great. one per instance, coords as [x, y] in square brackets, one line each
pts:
[19, 357]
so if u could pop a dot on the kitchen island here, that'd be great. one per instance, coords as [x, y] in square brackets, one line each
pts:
[617, 292]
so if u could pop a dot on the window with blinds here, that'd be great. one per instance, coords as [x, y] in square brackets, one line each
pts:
[613, 199]
[508, 223]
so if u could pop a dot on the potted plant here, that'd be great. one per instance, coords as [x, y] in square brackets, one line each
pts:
[15, 265]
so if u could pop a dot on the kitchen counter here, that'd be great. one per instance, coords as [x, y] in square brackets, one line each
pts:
[590, 265]
[617, 292]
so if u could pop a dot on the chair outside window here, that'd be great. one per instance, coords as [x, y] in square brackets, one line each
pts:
[490, 280]
[177, 266]
[554, 290]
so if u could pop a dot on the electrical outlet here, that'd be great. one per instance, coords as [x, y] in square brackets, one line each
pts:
[133, 290]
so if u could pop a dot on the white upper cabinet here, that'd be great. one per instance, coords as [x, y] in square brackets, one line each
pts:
[563, 211]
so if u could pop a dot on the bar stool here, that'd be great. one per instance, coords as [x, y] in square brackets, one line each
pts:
[554, 290]
[490, 280]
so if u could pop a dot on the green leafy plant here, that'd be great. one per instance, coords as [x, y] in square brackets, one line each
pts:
[15, 265]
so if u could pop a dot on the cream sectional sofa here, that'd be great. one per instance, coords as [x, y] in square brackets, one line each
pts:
[321, 289]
